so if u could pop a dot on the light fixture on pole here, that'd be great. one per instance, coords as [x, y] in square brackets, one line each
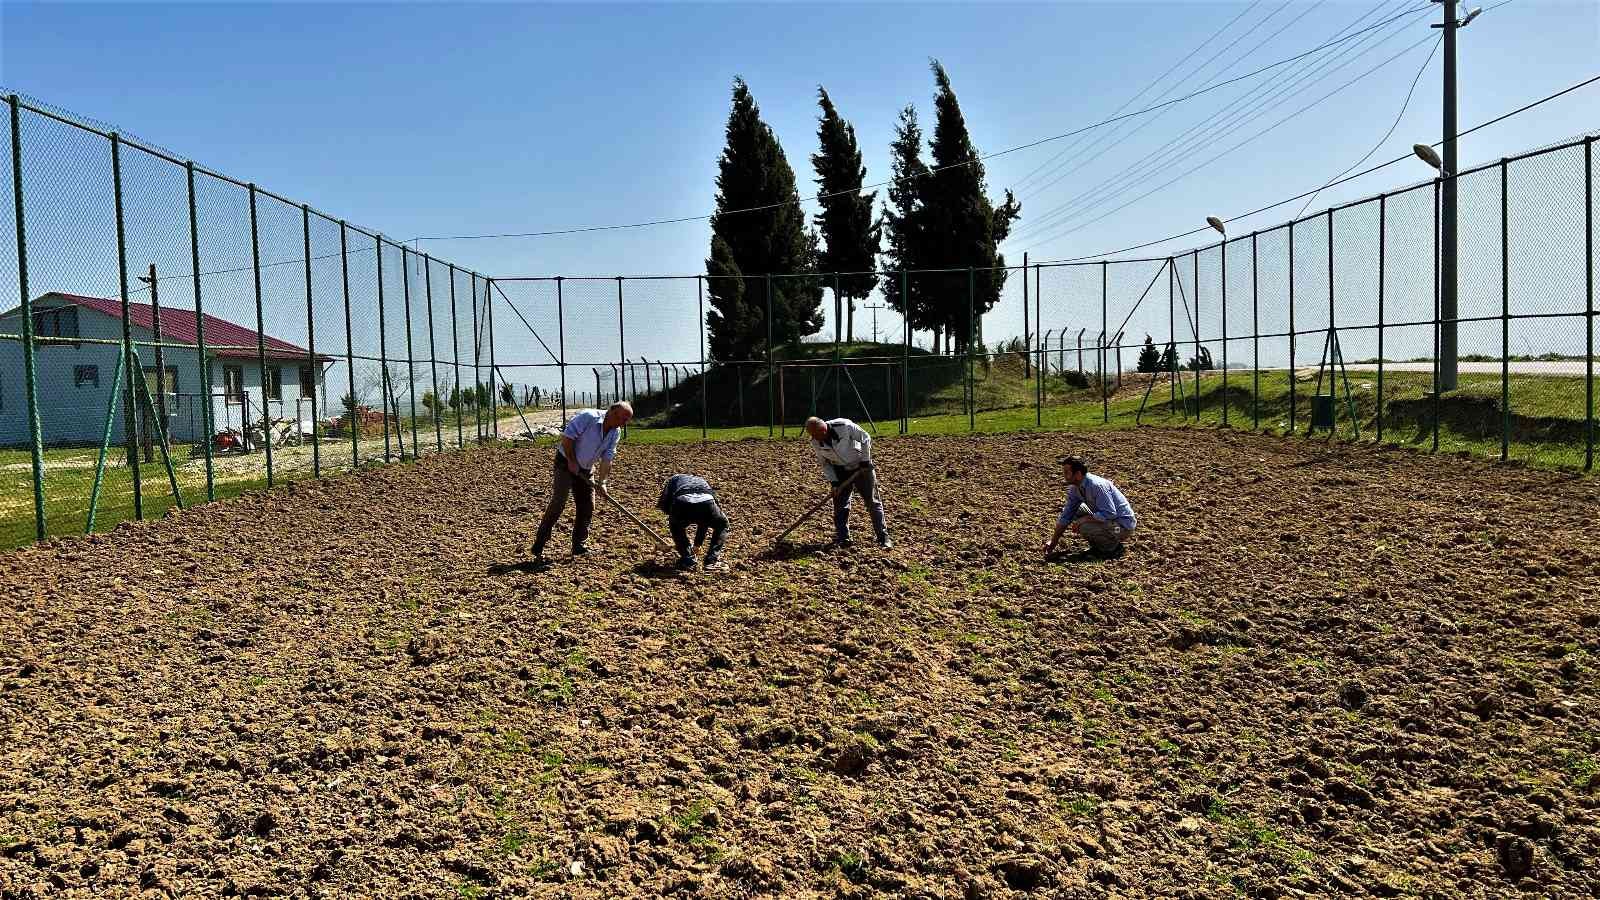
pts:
[1429, 156]
[1216, 223]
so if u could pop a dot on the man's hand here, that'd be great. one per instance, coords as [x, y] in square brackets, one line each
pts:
[1049, 548]
[601, 487]
[1074, 525]
[572, 465]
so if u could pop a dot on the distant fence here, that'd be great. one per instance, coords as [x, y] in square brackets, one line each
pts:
[160, 303]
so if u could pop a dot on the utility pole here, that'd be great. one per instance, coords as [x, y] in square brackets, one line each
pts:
[1448, 352]
[875, 307]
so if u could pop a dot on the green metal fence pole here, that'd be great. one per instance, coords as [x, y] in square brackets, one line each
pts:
[311, 350]
[261, 337]
[1105, 326]
[700, 306]
[30, 377]
[1505, 318]
[207, 413]
[1383, 200]
[411, 356]
[972, 330]
[1333, 340]
[161, 432]
[561, 338]
[1042, 364]
[838, 313]
[1195, 258]
[455, 352]
[159, 410]
[494, 395]
[1255, 338]
[1588, 275]
[105, 445]
[433, 353]
[477, 358]
[129, 419]
[354, 421]
[771, 405]
[622, 349]
[1225, 399]
[383, 361]
[1292, 397]
[1172, 342]
[905, 355]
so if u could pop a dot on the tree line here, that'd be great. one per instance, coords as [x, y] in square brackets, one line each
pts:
[937, 215]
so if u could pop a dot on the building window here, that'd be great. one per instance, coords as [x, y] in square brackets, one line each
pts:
[61, 322]
[82, 375]
[233, 385]
[274, 386]
[308, 381]
[150, 380]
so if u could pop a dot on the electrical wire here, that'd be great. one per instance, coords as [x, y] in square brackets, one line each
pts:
[1363, 173]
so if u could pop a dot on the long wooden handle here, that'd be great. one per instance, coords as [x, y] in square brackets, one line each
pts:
[624, 510]
[843, 486]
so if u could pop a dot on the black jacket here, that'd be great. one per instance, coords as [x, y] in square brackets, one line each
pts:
[677, 486]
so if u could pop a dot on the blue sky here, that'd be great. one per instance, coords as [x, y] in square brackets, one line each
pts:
[459, 119]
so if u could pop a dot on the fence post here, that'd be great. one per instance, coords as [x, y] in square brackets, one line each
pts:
[349, 351]
[29, 372]
[1292, 396]
[433, 353]
[1041, 365]
[1225, 399]
[972, 390]
[494, 391]
[838, 312]
[1333, 337]
[1383, 200]
[905, 354]
[207, 414]
[411, 366]
[158, 411]
[1195, 259]
[700, 308]
[1505, 318]
[1172, 341]
[1589, 290]
[561, 345]
[311, 348]
[455, 353]
[771, 408]
[1255, 338]
[1027, 334]
[129, 418]
[1105, 326]
[261, 336]
[383, 361]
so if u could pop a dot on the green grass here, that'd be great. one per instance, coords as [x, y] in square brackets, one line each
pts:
[1547, 427]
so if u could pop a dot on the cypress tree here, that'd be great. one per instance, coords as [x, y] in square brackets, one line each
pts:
[963, 226]
[772, 238]
[904, 218]
[846, 219]
[1149, 356]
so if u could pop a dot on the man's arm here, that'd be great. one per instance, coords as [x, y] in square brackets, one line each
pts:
[1061, 528]
[570, 453]
[602, 471]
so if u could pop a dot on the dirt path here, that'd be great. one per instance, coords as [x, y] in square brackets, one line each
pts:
[1356, 671]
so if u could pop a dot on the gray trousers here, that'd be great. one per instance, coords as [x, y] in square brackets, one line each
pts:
[867, 486]
[1103, 536]
[561, 484]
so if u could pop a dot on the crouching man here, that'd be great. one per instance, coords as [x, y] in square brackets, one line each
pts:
[583, 462]
[688, 500]
[845, 449]
[1095, 511]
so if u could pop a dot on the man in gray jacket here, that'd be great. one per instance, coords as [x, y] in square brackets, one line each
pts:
[844, 448]
[688, 500]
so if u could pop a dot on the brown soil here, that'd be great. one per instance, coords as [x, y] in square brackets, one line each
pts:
[1356, 670]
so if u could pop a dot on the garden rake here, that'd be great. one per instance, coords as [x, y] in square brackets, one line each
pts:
[624, 510]
[843, 486]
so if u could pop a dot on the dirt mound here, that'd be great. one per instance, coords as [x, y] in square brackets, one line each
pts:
[1356, 670]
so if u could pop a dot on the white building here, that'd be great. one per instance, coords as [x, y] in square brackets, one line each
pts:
[75, 376]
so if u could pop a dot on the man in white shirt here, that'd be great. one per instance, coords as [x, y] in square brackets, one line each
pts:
[1095, 510]
[844, 448]
[583, 462]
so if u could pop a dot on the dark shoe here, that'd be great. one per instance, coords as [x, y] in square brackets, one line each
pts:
[842, 540]
[885, 542]
[685, 562]
[712, 559]
[580, 550]
[1114, 553]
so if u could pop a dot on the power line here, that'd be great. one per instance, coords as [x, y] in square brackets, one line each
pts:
[1363, 173]
[1392, 125]
[589, 229]
[1256, 103]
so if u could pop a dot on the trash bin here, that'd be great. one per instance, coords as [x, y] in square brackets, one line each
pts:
[1322, 411]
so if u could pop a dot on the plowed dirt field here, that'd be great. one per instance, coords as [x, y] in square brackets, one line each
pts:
[1316, 671]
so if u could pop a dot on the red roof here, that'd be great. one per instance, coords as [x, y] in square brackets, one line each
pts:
[178, 326]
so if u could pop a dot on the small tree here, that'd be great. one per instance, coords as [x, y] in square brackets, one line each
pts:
[430, 402]
[455, 398]
[1169, 358]
[508, 394]
[1149, 357]
[1202, 363]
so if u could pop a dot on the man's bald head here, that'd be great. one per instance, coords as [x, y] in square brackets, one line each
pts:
[816, 428]
[619, 414]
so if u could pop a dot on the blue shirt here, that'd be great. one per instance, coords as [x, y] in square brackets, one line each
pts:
[590, 441]
[1102, 498]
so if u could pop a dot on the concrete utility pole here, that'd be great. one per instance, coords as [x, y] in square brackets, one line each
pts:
[1448, 352]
